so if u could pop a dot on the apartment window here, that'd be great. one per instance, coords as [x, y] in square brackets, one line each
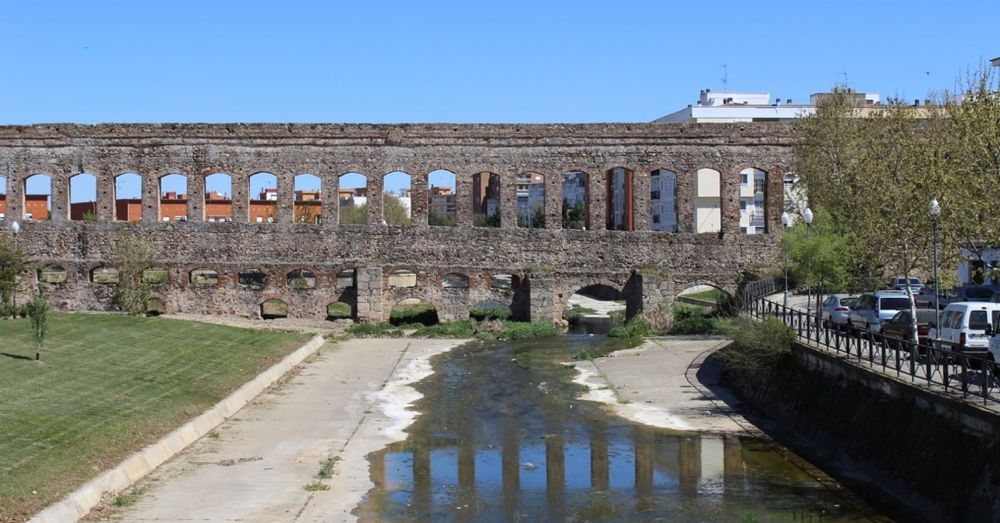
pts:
[744, 179]
[655, 195]
[743, 205]
[656, 218]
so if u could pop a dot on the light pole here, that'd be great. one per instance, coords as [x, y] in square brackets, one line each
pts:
[15, 229]
[935, 213]
[786, 221]
[808, 216]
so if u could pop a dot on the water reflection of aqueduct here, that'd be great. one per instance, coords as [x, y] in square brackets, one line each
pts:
[447, 474]
[645, 209]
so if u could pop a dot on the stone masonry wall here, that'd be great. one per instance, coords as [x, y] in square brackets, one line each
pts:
[550, 263]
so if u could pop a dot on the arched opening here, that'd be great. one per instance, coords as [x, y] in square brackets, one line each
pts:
[619, 199]
[575, 200]
[263, 206]
[83, 197]
[128, 197]
[173, 198]
[531, 200]
[708, 201]
[486, 199]
[3, 198]
[442, 203]
[699, 309]
[753, 189]
[347, 290]
[218, 198]
[353, 199]
[308, 199]
[155, 306]
[339, 311]
[402, 278]
[663, 200]
[254, 279]
[455, 280]
[504, 281]
[273, 308]
[104, 275]
[155, 276]
[38, 197]
[412, 311]
[301, 279]
[594, 309]
[51, 273]
[203, 277]
[490, 310]
[396, 204]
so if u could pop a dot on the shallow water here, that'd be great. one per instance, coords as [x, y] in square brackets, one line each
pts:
[502, 438]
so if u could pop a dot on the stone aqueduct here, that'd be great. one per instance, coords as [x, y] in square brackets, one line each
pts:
[648, 267]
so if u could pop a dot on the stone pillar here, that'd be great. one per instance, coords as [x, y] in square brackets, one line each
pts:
[553, 200]
[369, 286]
[511, 467]
[597, 201]
[422, 500]
[330, 193]
[150, 197]
[555, 475]
[641, 219]
[642, 441]
[59, 194]
[685, 199]
[15, 195]
[463, 200]
[105, 196]
[241, 197]
[600, 470]
[196, 198]
[730, 205]
[689, 460]
[774, 199]
[419, 199]
[375, 184]
[508, 200]
[543, 298]
[286, 197]
[454, 304]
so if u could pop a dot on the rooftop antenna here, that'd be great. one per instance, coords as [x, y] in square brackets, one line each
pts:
[844, 74]
[725, 77]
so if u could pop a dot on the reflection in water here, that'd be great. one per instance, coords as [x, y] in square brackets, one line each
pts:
[503, 439]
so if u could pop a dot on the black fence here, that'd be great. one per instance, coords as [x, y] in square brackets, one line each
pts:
[955, 371]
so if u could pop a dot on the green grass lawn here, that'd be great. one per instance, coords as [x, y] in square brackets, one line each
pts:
[110, 384]
[706, 295]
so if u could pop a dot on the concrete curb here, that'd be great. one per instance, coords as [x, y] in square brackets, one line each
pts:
[78, 504]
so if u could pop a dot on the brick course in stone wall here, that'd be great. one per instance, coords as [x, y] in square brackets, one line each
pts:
[648, 266]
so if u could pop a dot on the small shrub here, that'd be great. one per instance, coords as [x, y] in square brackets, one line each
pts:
[634, 329]
[316, 486]
[515, 331]
[326, 468]
[573, 313]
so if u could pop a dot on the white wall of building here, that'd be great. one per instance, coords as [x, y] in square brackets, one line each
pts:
[708, 208]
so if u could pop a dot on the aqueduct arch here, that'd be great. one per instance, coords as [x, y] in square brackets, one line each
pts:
[648, 262]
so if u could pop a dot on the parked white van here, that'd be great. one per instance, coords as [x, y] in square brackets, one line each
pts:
[967, 326]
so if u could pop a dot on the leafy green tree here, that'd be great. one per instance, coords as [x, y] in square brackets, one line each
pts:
[354, 215]
[131, 255]
[393, 211]
[438, 219]
[538, 216]
[484, 220]
[12, 264]
[573, 216]
[38, 310]
[819, 255]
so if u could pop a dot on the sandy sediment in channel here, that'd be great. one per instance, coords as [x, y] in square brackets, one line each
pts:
[600, 391]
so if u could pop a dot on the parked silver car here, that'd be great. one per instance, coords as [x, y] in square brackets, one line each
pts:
[837, 310]
[899, 284]
[874, 309]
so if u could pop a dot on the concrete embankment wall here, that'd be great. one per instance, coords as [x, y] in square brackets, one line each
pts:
[919, 455]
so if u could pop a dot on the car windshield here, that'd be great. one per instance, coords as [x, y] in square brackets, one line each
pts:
[979, 292]
[914, 281]
[894, 304]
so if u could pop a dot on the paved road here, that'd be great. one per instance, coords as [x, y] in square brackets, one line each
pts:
[346, 402]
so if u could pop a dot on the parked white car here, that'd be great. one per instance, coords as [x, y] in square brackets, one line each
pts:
[967, 326]
[899, 284]
[871, 310]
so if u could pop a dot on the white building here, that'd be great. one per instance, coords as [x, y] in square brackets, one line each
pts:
[708, 201]
[733, 107]
[530, 196]
[663, 200]
[752, 198]
[574, 188]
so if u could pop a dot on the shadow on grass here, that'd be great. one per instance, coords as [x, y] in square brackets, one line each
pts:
[16, 356]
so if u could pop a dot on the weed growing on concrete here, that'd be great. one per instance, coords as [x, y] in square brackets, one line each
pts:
[326, 468]
[127, 499]
[316, 486]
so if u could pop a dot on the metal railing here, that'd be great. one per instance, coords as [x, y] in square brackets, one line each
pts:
[954, 371]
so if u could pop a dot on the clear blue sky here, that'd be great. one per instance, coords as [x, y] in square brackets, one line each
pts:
[512, 61]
